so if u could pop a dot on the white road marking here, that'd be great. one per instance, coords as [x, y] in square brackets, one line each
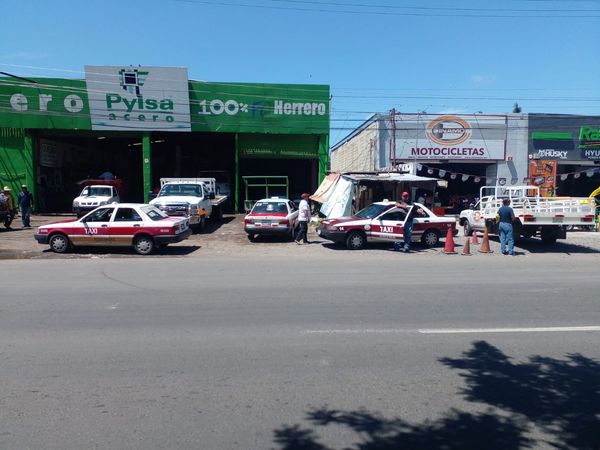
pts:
[359, 331]
[508, 330]
[453, 330]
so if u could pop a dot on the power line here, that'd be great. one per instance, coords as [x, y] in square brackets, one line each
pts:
[534, 14]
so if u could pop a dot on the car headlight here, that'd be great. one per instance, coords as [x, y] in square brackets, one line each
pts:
[75, 203]
[102, 203]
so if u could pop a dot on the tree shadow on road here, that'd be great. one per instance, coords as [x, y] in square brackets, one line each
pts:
[561, 397]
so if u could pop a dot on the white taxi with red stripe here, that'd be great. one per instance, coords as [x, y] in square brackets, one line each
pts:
[144, 227]
[382, 221]
[273, 216]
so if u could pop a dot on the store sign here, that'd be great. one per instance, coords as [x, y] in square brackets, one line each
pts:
[426, 137]
[130, 98]
[589, 142]
[552, 145]
[44, 103]
[259, 108]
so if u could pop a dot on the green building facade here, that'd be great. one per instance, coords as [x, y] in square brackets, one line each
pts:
[143, 124]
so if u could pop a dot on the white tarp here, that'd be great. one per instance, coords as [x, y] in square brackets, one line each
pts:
[326, 188]
[340, 201]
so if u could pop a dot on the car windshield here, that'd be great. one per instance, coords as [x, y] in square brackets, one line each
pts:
[372, 211]
[153, 213]
[192, 190]
[269, 207]
[100, 191]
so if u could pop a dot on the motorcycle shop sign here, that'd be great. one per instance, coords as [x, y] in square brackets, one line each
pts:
[138, 98]
[426, 137]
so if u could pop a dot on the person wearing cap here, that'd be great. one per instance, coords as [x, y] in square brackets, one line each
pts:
[303, 219]
[406, 205]
[10, 200]
[25, 203]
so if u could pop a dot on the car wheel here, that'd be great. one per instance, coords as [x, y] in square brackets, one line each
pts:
[355, 240]
[468, 229]
[430, 238]
[252, 237]
[59, 243]
[143, 245]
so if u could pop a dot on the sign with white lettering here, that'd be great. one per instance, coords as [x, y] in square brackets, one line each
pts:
[259, 108]
[450, 137]
[138, 98]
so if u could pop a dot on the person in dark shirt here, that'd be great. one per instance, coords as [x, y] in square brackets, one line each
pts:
[406, 205]
[505, 217]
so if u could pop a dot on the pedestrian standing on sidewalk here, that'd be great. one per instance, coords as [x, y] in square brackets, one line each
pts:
[303, 219]
[25, 201]
[505, 217]
[12, 208]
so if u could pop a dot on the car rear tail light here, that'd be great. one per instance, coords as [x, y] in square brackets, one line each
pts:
[559, 216]
[283, 222]
[247, 221]
[588, 218]
[528, 218]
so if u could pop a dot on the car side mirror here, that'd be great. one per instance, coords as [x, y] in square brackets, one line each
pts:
[471, 205]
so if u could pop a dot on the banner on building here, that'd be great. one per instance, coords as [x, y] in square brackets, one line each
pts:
[542, 174]
[449, 137]
[128, 98]
[256, 107]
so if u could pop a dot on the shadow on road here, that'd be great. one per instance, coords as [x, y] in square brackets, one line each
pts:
[559, 396]
[172, 250]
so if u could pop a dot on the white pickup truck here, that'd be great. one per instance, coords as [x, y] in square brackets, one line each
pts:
[546, 217]
[93, 196]
[191, 197]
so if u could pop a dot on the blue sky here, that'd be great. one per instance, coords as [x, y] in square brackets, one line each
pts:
[462, 56]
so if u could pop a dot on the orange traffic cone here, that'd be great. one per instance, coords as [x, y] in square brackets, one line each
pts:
[475, 240]
[449, 245]
[485, 243]
[467, 248]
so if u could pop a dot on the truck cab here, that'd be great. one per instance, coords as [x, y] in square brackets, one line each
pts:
[93, 196]
[186, 197]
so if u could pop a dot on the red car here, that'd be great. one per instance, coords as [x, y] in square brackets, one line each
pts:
[383, 222]
[143, 227]
[273, 216]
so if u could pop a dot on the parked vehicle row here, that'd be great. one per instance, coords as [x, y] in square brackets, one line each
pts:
[183, 203]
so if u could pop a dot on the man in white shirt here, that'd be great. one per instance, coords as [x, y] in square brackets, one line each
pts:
[303, 219]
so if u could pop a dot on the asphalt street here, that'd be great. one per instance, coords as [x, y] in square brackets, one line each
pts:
[374, 349]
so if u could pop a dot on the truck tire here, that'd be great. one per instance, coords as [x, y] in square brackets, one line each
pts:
[468, 229]
[549, 236]
[217, 213]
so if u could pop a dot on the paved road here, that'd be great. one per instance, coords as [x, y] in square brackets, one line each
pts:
[313, 352]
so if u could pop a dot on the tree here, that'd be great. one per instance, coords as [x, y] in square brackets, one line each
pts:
[516, 108]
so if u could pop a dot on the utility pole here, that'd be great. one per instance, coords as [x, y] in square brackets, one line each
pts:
[393, 139]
